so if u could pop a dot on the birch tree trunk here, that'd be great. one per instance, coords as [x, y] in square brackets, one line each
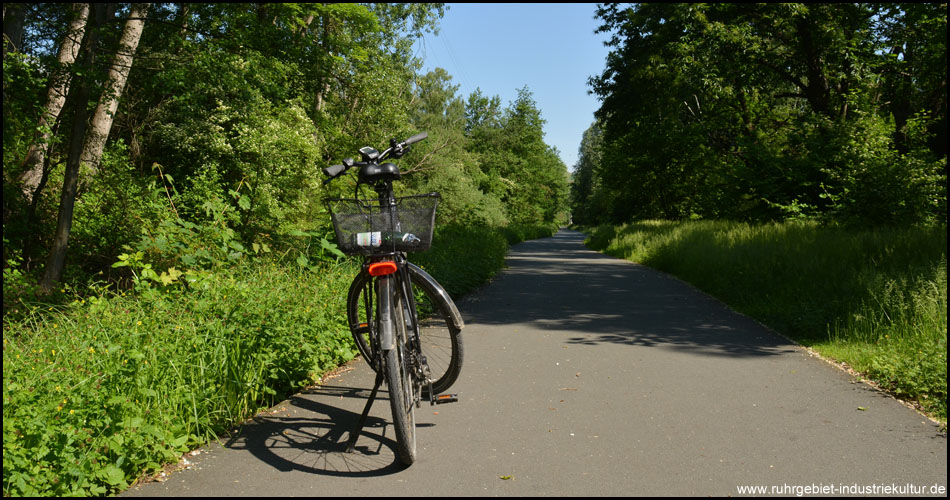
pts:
[78, 98]
[118, 74]
[88, 141]
[31, 179]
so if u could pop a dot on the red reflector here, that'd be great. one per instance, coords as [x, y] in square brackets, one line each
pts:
[382, 268]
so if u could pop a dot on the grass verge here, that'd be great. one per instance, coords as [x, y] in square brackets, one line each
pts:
[875, 299]
[108, 386]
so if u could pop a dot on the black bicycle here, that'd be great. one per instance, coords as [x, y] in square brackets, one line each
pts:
[404, 323]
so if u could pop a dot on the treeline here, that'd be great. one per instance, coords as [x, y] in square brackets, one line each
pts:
[171, 128]
[832, 112]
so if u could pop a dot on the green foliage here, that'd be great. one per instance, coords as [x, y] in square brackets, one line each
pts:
[444, 163]
[17, 284]
[23, 84]
[463, 258]
[769, 111]
[586, 191]
[516, 233]
[873, 298]
[112, 385]
[518, 167]
[490, 164]
[914, 369]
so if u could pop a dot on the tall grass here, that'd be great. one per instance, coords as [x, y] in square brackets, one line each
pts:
[875, 299]
[99, 390]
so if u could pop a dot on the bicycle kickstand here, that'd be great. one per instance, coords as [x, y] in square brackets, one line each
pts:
[355, 433]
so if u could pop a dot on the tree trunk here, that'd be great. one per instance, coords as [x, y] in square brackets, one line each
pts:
[327, 27]
[818, 89]
[118, 74]
[14, 15]
[182, 18]
[78, 98]
[30, 179]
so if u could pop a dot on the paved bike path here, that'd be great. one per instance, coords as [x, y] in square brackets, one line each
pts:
[589, 375]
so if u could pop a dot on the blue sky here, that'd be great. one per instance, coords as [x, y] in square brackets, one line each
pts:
[501, 47]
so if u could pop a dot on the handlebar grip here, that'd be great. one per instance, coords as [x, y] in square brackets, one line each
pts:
[334, 170]
[416, 138]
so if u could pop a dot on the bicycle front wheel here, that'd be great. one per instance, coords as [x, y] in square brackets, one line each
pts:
[397, 367]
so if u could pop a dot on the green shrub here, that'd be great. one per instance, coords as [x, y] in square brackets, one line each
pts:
[516, 233]
[111, 385]
[462, 258]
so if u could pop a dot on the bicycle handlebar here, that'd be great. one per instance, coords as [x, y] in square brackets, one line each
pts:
[333, 171]
[416, 138]
[395, 149]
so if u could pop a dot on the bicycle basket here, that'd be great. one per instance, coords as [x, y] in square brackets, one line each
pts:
[362, 228]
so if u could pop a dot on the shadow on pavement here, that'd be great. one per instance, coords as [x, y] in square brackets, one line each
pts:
[316, 441]
[558, 285]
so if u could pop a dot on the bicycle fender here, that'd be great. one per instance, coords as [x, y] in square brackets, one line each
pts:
[454, 314]
[386, 336]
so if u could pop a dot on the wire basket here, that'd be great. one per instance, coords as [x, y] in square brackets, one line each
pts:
[362, 228]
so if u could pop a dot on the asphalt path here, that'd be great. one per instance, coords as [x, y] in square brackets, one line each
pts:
[587, 375]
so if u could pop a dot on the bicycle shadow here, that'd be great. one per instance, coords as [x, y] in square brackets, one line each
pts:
[305, 434]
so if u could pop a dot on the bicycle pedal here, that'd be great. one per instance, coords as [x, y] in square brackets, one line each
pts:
[446, 398]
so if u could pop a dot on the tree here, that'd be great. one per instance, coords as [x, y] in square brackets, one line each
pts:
[33, 177]
[518, 168]
[86, 143]
[14, 15]
[101, 123]
[585, 185]
[443, 162]
[768, 111]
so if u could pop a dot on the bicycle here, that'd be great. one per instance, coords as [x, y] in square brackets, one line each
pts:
[419, 356]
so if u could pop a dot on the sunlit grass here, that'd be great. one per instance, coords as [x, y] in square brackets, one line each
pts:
[875, 299]
[113, 385]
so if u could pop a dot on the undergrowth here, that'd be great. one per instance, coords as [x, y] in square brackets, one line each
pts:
[100, 390]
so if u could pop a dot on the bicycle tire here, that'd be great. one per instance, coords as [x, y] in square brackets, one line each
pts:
[398, 373]
[439, 333]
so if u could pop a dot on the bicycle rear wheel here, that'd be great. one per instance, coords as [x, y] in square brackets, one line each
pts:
[439, 333]
[397, 367]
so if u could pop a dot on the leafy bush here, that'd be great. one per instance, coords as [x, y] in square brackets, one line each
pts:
[516, 233]
[111, 385]
[463, 257]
